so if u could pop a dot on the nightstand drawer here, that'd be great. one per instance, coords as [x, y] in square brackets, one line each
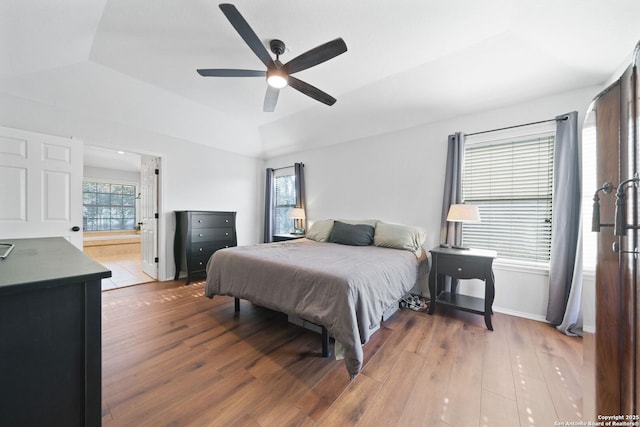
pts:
[211, 234]
[459, 268]
[211, 221]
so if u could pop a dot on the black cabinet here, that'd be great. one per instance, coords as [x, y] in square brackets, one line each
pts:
[50, 335]
[198, 235]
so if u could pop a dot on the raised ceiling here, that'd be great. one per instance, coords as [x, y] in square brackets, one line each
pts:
[133, 62]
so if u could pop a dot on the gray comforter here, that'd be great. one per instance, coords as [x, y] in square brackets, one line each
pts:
[343, 288]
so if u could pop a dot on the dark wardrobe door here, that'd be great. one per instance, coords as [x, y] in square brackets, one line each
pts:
[616, 355]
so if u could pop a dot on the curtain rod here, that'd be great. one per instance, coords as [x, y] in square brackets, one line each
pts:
[518, 126]
[286, 167]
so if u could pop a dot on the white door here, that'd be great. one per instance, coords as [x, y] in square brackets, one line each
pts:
[149, 171]
[40, 186]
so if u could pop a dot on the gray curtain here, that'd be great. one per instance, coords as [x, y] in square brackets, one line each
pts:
[268, 207]
[300, 193]
[565, 267]
[451, 232]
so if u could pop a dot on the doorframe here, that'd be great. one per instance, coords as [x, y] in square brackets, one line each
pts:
[162, 242]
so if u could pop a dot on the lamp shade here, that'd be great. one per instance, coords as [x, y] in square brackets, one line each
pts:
[297, 213]
[463, 213]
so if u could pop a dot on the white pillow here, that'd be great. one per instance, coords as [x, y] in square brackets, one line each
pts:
[400, 236]
[320, 230]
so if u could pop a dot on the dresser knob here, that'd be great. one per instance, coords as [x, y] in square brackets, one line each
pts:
[226, 234]
[200, 220]
[200, 234]
[459, 268]
[200, 249]
[200, 263]
[226, 220]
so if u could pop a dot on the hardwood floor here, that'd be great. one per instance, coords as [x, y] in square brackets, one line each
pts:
[174, 357]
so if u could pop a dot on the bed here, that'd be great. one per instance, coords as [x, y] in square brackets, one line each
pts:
[340, 286]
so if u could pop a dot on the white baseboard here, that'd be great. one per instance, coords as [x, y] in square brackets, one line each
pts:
[530, 316]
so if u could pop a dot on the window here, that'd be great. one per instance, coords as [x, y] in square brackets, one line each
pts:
[107, 206]
[511, 182]
[284, 200]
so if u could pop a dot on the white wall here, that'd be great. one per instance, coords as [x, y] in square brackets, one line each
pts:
[399, 177]
[193, 176]
[394, 177]
[111, 175]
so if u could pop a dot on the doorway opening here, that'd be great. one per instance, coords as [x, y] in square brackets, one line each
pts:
[120, 207]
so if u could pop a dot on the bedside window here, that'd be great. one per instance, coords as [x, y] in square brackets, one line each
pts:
[511, 181]
[284, 200]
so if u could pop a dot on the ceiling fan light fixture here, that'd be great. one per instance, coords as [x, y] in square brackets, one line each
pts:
[278, 75]
[277, 78]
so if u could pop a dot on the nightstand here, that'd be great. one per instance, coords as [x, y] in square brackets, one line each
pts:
[285, 237]
[462, 264]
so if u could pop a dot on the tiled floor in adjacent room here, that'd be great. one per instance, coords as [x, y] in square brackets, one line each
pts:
[126, 270]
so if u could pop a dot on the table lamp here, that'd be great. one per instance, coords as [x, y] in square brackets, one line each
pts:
[298, 215]
[463, 213]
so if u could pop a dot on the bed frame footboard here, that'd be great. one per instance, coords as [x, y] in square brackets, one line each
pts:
[325, 334]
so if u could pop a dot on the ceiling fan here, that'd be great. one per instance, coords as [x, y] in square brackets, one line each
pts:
[278, 74]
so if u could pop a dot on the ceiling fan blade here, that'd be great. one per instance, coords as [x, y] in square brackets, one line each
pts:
[247, 34]
[225, 72]
[311, 91]
[316, 56]
[270, 99]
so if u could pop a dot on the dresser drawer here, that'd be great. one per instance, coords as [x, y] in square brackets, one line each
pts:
[199, 262]
[208, 247]
[211, 221]
[459, 268]
[211, 234]
[200, 253]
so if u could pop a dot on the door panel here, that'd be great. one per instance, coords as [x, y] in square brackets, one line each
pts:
[616, 335]
[148, 213]
[40, 185]
[627, 265]
[607, 290]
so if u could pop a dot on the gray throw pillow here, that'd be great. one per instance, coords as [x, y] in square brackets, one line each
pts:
[352, 234]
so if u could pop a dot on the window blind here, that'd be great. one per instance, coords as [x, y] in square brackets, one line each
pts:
[511, 182]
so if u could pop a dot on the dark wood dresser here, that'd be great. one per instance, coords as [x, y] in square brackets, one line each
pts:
[198, 235]
[50, 335]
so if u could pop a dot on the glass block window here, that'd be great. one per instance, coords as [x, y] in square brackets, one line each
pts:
[108, 206]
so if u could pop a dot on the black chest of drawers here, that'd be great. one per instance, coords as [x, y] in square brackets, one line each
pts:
[198, 235]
